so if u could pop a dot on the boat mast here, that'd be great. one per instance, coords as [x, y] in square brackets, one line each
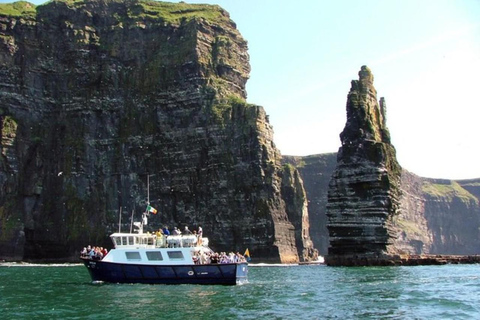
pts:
[145, 213]
[131, 221]
[119, 220]
[148, 189]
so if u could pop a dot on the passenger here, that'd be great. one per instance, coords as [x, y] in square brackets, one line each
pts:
[240, 257]
[166, 231]
[176, 232]
[98, 253]
[203, 257]
[83, 253]
[214, 257]
[196, 257]
[159, 235]
[223, 258]
[187, 231]
[199, 236]
[91, 253]
[104, 251]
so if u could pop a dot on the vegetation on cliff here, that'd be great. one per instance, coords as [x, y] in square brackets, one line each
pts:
[22, 9]
[447, 189]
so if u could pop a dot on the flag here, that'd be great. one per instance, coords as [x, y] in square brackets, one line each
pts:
[247, 255]
[151, 209]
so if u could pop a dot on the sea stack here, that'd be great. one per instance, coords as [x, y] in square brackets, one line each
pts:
[364, 191]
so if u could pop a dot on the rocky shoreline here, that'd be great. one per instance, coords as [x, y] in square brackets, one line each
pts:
[400, 260]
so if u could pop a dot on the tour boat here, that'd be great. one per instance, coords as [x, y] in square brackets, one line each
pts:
[151, 258]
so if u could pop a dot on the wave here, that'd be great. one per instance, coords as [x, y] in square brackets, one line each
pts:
[26, 264]
[273, 264]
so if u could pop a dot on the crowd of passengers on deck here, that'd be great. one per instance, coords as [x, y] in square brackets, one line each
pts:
[95, 253]
[202, 257]
[177, 238]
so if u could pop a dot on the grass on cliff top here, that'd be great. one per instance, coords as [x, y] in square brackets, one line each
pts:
[143, 9]
[18, 9]
[449, 191]
[175, 12]
[167, 11]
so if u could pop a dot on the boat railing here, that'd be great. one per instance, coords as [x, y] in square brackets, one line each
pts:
[177, 241]
[148, 240]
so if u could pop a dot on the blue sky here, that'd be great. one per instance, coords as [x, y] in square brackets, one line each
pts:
[425, 56]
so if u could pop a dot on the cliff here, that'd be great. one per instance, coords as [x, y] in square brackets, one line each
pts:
[97, 95]
[439, 216]
[316, 171]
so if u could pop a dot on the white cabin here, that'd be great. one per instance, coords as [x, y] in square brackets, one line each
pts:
[150, 249]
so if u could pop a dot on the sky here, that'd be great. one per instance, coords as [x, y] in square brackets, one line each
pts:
[424, 55]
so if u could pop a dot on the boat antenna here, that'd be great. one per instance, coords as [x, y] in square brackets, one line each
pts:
[145, 213]
[131, 221]
[120, 220]
[148, 189]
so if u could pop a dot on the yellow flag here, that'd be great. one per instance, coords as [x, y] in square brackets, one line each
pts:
[247, 255]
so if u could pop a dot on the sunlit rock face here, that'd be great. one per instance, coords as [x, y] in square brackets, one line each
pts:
[439, 216]
[97, 95]
[364, 190]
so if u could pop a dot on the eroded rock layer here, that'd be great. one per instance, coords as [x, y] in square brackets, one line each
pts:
[97, 95]
[364, 190]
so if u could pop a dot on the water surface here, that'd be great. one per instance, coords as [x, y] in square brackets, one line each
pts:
[287, 292]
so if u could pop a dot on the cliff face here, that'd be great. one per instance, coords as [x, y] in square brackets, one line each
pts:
[435, 217]
[438, 216]
[96, 95]
[364, 190]
[316, 171]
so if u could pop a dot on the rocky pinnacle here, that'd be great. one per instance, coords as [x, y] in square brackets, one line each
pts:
[364, 190]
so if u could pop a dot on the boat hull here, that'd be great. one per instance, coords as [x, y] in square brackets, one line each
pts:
[223, 274]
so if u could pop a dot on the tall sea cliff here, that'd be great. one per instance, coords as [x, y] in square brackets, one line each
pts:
[98, 95]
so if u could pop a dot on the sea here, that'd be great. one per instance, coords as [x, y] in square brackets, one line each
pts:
[65, 291]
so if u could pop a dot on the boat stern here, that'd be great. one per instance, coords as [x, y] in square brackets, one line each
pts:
[242, 273]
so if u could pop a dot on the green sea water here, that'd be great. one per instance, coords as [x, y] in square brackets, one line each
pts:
[273, 292]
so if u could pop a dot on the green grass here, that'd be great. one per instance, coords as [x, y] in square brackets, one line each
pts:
[9, 127]
[143, 9]
[448, 191]
[165, 11]
[18, 9]
[175, 12]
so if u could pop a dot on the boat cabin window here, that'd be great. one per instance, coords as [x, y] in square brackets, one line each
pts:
[175, 255]
[154, 255]
[118, 241]
[133, 255]
[130, 241]
[147, 240]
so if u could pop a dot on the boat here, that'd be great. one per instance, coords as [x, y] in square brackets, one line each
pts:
[155, 258]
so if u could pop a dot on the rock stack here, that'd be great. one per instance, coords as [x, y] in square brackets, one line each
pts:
[364, 191]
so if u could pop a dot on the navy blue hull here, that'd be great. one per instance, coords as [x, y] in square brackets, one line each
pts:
[225, 274]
